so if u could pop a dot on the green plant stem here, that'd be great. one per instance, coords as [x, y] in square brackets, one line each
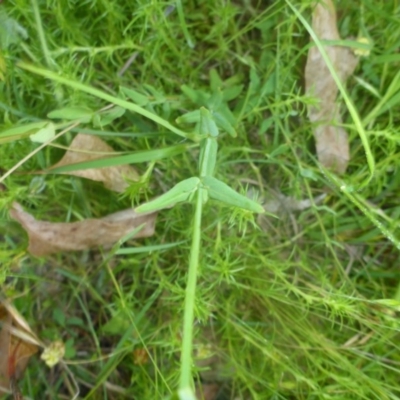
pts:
[40, 31]
[185, 382]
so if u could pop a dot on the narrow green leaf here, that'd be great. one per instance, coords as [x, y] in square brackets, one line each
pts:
[105, 118]
[386, 58]
[208, 127]
[133, 158]
[215, 100]
[215, 79]
[232, 92]
[198, 96]
[135, 96]
[157, 94]
[269, 86]
[105, 96]
[220, 191]
[192, 117]
[224, 124]
[181, 14]
[388, 100]
[21, 132]
[26, 130]
[255, 82]
[72, 113]
[180, 192]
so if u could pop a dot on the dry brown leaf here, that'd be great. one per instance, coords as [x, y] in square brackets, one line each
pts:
[90, 147]
[52, 237]
[331, 140]
[17, 344]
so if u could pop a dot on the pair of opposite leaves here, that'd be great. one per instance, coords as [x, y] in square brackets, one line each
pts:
[48, 237]
[17, 344]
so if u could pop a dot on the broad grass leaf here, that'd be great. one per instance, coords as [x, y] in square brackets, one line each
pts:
[17, 344]
[51, 237]
[331, 139]
[90, 147]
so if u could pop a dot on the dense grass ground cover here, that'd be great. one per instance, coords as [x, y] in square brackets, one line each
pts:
[303, 306]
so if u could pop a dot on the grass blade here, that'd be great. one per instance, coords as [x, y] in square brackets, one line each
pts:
[133, 158]
[107, 97]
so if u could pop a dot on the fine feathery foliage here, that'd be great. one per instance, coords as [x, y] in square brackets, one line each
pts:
[207, 100]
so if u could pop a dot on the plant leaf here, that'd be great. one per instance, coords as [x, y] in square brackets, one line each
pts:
[90, 147]
[21, 132]
[51, 237]
[180, 192]
[136, 97]
[106, 117]
[133, 158]
[189, 118]
[208, 126]
[17, 344]
[220, 191]
[44, 134]
[72, 113]
[331, 139]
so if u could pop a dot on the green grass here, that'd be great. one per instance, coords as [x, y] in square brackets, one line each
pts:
[304, 306]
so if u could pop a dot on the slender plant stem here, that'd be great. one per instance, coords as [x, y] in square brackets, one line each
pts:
[42, 37]
[185, 383]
